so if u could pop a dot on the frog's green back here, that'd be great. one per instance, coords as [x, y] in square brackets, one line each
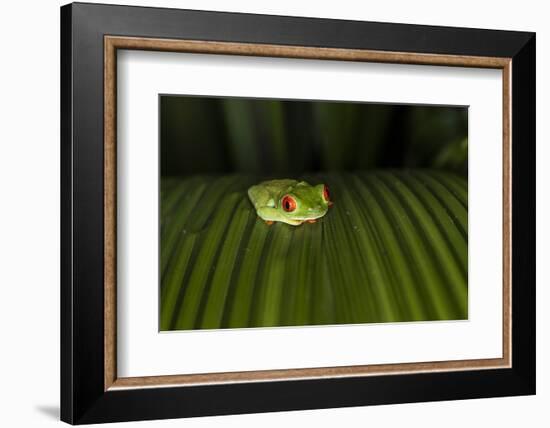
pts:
[275, 187]
[265, 193]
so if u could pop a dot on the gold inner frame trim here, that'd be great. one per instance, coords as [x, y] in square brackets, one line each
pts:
[113, 43]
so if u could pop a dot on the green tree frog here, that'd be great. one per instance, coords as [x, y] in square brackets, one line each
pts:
[289, 201]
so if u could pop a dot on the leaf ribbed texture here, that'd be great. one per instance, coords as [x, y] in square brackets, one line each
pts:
[393, 248]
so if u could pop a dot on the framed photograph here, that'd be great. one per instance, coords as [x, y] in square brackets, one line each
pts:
[265, 213]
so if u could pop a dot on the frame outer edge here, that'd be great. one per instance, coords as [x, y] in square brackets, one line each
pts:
[87, 211]
[524, 215]
[66, 210]
[241, 27]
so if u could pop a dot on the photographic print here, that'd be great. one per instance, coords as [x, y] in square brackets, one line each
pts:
[297, 213]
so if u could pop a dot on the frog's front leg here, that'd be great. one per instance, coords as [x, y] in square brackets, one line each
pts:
[268, 214]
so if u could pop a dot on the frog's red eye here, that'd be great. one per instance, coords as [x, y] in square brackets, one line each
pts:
[326, 193]
[288, 203]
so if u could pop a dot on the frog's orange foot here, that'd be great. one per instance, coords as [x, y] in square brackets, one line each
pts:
[330, 204]
[269, 222]
[312, 221]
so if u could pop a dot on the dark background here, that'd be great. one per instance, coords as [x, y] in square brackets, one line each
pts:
[210, 135]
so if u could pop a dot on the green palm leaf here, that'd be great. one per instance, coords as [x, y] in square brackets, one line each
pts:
[393, 248]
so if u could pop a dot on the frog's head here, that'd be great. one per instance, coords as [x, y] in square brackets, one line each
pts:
[303, 202]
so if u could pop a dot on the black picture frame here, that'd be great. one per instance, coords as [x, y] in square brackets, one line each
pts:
[83, 396]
